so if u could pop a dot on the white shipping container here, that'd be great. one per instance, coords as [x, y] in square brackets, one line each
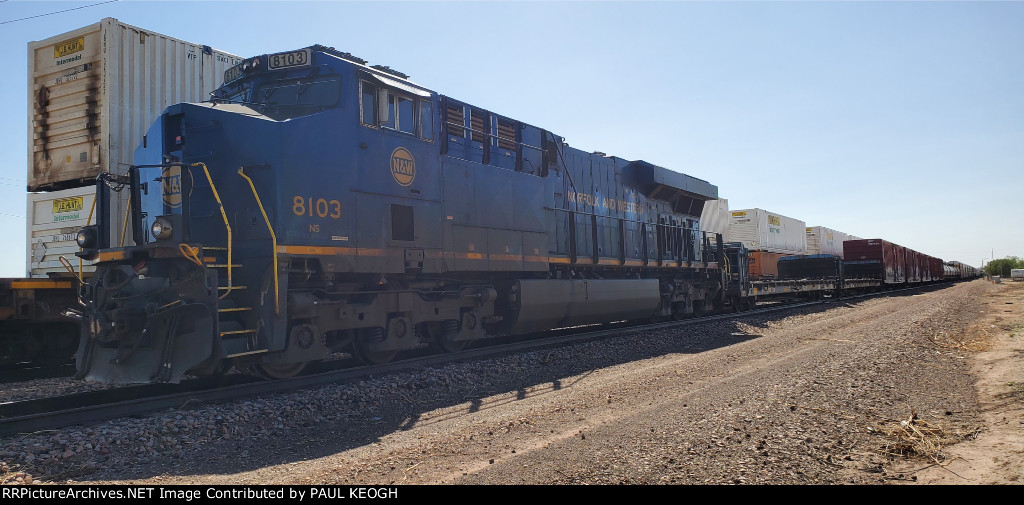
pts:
[715, 217]
[1017, 274]
[54, 219]
[94, 92]
[821, 240]
[760, 230]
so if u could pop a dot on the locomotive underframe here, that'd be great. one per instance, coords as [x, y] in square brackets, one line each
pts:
[153, 316]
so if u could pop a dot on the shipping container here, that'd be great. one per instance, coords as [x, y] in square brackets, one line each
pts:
[1017, 274]
[94, 91]
[763, 265]
[821, 240]
[760, 230]
[715, 217]
[811, 266]
[55, 218]
[874, 259]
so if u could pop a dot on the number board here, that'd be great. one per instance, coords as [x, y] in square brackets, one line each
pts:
[289, 59]
[233, 73]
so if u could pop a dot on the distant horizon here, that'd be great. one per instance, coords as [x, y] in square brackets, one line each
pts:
[890, 120]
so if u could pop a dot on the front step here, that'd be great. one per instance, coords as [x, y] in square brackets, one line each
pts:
[234, 309]
[238, 338]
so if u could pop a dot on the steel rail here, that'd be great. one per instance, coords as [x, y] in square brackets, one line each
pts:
[37, 415]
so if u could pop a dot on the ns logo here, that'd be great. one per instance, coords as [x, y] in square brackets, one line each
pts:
[403, 166]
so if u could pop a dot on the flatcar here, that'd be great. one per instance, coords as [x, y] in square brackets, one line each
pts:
[319, 205]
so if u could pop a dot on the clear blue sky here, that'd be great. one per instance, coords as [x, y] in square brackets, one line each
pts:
[902, 121]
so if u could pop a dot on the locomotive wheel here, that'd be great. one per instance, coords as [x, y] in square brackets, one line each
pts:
[278, 371]
[439, 340]
[450, 346]
[361, 351]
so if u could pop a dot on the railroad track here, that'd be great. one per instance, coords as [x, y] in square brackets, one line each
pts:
[83, 408]
[34, 373]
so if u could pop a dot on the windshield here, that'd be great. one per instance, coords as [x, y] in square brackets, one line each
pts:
[297, 97]
[284, 98]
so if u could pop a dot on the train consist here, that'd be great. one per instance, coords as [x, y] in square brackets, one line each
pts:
[320, 205]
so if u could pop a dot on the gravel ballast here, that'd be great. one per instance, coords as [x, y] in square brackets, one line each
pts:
[811, 395]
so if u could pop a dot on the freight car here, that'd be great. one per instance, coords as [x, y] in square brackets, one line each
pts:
[871, 265]
[318, 205]
[33, 330]
[800, 276]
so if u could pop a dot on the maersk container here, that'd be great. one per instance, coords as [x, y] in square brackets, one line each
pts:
[54, 219]
[821, 240]
[715, 217]
[94, 91]
[760, 230]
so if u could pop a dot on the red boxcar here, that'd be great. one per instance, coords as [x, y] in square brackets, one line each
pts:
[874, 259]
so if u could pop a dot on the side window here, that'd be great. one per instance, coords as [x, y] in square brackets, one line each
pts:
[426, 120]
[401, 113]
[389, 122]
[369, 104]
[406, 115]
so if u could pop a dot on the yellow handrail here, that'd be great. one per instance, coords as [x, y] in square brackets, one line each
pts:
[190, 253]
[67, 266]
[273, 238]
[224, 215]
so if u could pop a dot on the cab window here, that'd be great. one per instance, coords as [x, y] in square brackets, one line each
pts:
[291, 98]
[368, 103]
[426, 120]
[404, 113]
[401, 114]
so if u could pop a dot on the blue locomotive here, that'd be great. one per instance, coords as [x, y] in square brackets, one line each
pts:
[319, 205]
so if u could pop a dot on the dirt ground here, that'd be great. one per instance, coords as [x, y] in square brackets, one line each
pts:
[917, 387]
[996, 345]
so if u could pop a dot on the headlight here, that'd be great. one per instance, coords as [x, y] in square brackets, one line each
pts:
[86, 237]
[161, 229]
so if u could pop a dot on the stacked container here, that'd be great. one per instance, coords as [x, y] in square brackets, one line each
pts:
[768, 237]
[760, 230]
[715, 217]
[93, 93]
[821, 240]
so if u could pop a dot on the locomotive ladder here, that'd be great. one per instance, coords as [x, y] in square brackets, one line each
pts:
[236, 318]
